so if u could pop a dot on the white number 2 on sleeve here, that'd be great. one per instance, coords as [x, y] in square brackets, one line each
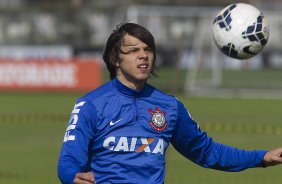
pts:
[72, 122]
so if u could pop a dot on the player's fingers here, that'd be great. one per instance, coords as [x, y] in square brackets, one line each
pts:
[277, 158]
[278, 151]
[84, 178]
[273, 157]
[275, 161]
[277, 154]
[77, 181]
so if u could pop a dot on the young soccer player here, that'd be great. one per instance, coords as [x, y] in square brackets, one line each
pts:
[119, 133]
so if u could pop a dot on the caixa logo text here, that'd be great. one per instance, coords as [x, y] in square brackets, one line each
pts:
[134, 144]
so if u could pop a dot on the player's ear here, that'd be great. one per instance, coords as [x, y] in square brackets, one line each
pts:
[117, 63]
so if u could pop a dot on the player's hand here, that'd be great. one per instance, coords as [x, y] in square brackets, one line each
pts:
[84, 178]
[273, 157]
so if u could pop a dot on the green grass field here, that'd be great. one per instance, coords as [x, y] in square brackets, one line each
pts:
[33, 126]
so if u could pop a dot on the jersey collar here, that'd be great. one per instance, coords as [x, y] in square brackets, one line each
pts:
[128, 91]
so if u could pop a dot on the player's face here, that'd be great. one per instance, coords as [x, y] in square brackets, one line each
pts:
[136, 61]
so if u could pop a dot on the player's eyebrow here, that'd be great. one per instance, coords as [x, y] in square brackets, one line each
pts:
[129, 44]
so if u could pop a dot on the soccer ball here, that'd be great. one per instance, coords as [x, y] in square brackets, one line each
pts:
[240, 31]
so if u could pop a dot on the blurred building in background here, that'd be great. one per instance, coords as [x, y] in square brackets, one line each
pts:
[182, 29]
[86, 24]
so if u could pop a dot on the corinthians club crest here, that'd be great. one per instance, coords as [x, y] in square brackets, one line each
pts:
[158, 121]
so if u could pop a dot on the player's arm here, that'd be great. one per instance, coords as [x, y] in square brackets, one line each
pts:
[73, 158]
[195, 145]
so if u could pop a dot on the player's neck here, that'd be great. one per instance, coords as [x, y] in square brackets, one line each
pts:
[132, 84]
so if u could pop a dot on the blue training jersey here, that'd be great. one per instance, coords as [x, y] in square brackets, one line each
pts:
[122, 135]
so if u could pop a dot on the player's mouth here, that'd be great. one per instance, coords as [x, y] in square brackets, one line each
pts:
[143, 67]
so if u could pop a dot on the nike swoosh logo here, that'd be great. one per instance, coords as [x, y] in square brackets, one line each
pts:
[115, 122]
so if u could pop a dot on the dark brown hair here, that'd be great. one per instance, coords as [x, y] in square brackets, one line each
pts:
[114, 43]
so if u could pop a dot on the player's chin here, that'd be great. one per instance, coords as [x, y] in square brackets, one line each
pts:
[143, 76]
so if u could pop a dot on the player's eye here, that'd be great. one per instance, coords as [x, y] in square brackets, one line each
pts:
[148, 49]
[133, 50]
[129, 50]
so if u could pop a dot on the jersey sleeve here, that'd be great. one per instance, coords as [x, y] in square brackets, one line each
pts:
[195, 145]
[80, 132]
